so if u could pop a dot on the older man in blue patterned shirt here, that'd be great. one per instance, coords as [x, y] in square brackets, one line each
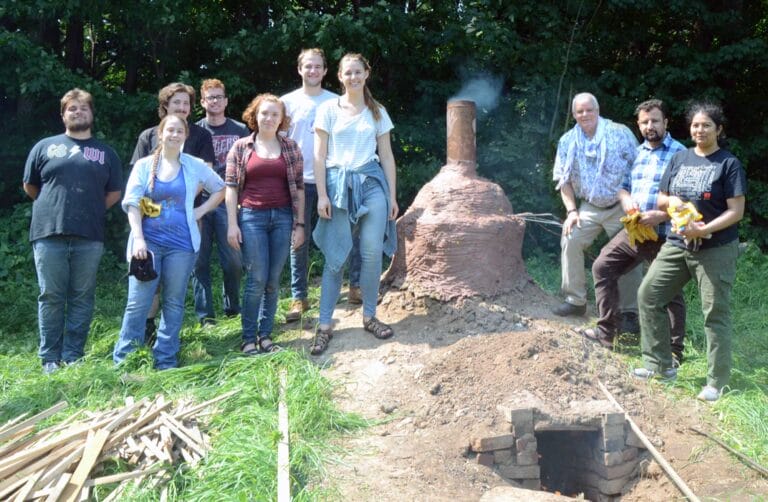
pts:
[592, 161]
[638, 193]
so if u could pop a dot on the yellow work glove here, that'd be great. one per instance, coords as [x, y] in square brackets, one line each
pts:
[637, 232]
[148, 207]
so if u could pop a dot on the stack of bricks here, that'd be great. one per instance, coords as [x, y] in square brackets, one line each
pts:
[600, 463]
[514, 457]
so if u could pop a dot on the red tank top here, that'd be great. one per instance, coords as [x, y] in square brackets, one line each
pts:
[266, 183]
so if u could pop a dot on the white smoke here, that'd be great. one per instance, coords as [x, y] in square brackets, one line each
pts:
[485, 91]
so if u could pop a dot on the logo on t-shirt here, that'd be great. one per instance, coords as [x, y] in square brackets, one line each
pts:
[693, 182]
[89, 153]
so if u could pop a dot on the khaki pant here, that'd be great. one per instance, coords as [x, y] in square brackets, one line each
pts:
[574, 278]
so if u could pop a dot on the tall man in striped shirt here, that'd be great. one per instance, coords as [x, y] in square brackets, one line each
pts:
[639, 192]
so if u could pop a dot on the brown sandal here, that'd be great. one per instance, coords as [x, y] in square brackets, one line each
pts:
[321, 341]
[379, 329]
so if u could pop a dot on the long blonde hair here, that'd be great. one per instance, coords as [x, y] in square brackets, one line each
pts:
[371, 103]
[159, 148]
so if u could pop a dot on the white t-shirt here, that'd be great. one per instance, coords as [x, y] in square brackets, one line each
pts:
[301, 108]
[351, 139]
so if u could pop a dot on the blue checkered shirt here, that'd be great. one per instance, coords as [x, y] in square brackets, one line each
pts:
[647, 170]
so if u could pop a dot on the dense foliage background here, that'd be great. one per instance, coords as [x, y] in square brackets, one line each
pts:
[536, 54]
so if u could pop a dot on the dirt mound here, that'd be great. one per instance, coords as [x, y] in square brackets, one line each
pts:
[438, 382]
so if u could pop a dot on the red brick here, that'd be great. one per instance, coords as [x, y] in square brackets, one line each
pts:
[493, 443]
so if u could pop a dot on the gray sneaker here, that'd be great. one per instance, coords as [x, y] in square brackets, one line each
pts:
[668, 375]
[50, 367]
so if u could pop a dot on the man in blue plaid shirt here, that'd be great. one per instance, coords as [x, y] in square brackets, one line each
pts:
[639, 192]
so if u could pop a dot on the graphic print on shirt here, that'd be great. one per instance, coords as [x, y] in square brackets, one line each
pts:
[221, 146]
[89, 153]
[694, 182]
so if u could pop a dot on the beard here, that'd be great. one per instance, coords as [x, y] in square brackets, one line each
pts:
[653, 136]
[78, 125]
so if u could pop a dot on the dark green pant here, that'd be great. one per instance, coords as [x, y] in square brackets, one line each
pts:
[714, 271]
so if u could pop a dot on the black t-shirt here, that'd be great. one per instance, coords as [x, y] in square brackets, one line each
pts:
[198, 143]
[224, 136]
[73, 176]
[707, 182]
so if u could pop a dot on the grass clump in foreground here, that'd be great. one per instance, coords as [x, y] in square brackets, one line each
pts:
[244, 432]
[743, 410]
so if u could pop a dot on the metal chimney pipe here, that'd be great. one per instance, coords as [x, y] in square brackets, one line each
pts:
[461, 120]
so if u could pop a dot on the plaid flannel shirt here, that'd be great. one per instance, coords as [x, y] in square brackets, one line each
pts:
[241, 152]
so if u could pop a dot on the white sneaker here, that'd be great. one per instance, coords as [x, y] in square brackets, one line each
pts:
[709, 393]
[668, 375]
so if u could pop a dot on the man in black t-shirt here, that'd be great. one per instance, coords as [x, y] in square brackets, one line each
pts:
[176, 99]
[73, 179]
[213, 226]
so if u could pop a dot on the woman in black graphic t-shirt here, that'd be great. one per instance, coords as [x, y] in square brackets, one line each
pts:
[713, 179]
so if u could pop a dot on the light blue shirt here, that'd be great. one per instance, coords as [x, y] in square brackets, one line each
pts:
[595, 167]
[195, 173]
[345, 190]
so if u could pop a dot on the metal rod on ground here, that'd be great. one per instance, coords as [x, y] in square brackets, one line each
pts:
[750, 463]
[656, 455]
[283, 458]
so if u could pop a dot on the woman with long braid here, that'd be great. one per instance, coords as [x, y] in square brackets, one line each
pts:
[167, 179]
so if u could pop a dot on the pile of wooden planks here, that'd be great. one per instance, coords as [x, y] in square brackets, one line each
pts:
[60, 463]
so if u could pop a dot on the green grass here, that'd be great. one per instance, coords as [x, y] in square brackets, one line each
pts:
[743, 411]
[242, 463]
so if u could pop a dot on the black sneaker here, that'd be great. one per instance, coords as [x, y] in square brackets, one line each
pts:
[569, 309]
[630, 323]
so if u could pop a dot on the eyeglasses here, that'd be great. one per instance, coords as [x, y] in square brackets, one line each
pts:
[213, 99]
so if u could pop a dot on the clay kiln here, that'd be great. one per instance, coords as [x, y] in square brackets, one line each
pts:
[460, 237]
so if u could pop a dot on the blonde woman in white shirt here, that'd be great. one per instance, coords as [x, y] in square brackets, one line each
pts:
[356, 187]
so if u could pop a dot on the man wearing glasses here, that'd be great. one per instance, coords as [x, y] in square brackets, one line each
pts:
[224, 132]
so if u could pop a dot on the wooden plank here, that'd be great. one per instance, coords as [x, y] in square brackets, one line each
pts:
[13, 447]
[10, 423]
[93, 447]
[116, 478]
[33, 420]
[76, 432]
[29, 485]
[40, 466]
[13, 487]
[146, 419]
[189, 434]
[58, 488]
[157, 452]
[283, 457]
[55, 471]
[172, 424]
[195, 409]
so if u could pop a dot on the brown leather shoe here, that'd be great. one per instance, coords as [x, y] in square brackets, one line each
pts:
[593, 335]
[298, 307]
[569, 309]
[355, 296]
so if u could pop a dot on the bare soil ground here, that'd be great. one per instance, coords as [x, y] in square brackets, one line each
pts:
[437, 382]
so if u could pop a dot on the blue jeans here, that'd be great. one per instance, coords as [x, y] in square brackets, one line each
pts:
[370, 231]
[266, 244]
[173, 267]
[300, 256]
[214, 226]
[66, 272]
